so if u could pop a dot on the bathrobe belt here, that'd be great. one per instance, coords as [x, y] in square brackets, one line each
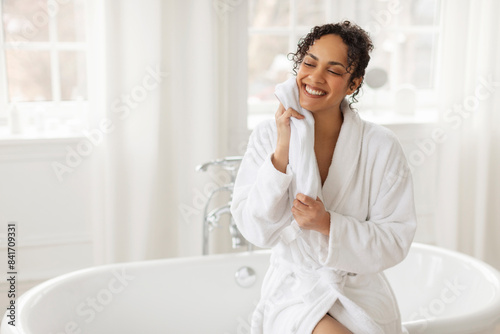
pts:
[314, 281]
[320, 285]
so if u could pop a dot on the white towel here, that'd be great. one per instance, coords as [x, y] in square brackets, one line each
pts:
[302, 158]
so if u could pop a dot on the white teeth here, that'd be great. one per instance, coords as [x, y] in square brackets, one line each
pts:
[314, 92]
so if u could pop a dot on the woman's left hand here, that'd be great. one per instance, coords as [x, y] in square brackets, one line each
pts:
[311, 214]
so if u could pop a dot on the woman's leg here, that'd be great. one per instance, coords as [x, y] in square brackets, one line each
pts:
[329, 325]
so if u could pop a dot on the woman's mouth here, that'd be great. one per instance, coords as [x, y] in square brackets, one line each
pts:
[313, 91]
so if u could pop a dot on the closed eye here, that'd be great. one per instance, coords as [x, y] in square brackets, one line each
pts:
[308, 64]
[334, 73]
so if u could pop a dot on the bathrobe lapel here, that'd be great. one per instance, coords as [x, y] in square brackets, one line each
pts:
[340, 176]
[345, 159]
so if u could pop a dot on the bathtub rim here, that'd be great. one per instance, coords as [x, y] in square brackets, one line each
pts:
[486, 311]
[31, 294]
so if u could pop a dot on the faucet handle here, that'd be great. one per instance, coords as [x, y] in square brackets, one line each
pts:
[231, 164]
[228, 163]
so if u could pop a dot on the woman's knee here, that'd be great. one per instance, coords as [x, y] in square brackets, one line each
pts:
[329, 325]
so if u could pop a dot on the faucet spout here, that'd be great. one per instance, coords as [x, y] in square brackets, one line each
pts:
[215, 215]
[237, 240]
[211, 219]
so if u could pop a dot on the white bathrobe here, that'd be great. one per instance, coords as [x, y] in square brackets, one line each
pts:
[369, 195]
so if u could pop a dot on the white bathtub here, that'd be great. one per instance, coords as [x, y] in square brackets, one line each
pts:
[439, 292]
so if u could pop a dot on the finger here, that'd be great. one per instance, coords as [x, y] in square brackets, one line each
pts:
[290, 112]
[298, 215]
[284, 118]
[305, 199]
[299, 205]
[280, 111]
[296, 114]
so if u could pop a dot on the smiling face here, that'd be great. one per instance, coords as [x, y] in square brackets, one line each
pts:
[322, 78]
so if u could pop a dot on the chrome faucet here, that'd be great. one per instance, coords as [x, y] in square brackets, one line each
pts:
[211, 219]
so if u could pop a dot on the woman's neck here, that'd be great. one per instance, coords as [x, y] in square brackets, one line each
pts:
[328, 123]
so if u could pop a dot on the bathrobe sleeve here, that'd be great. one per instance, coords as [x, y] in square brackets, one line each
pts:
[383, 239]
[260, 204]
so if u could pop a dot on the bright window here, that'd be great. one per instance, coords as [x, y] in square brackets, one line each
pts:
[401, 66]
[43, 66]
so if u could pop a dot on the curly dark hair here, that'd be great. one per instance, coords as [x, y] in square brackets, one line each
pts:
[357, 40]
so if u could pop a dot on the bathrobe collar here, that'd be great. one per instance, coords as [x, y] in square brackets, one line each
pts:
[345, 157]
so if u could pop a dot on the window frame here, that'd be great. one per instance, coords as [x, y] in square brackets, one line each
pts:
[258, 111]
[61, 118]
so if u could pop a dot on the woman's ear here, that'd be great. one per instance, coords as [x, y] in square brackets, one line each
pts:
[354, 84]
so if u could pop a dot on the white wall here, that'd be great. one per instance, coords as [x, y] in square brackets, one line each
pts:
[54, 232]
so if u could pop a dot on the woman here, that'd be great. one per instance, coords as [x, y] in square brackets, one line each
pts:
[327, 275]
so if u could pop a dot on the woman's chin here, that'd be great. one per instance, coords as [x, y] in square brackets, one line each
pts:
[312, 107]
[303, 103]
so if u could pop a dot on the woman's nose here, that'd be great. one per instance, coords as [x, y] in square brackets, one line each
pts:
[317, 75]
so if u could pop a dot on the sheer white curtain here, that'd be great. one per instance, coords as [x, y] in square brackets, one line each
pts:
[468, 207]
[162, 99]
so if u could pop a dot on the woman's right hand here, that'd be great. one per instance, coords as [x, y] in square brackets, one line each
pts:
[280, 156]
